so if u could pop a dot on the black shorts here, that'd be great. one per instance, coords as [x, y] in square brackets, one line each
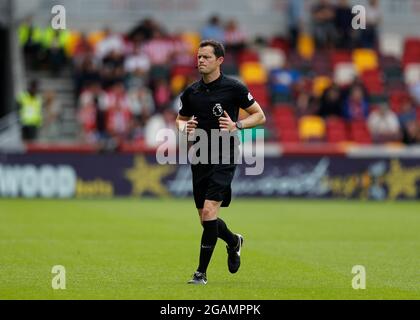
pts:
[212, 182]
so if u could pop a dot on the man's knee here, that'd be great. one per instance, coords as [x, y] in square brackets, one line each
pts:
[208, 213]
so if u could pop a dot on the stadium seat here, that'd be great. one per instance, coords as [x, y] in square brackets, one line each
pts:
[253, 73]
[365, 60]
[248, 56]
[412, 73]
[95, 37]
[373, 81]
[344, 73]
[391, 44]
[397, 98]
[183, 70]
[411, 51]
[177, 83]
[320, 84]
[193, 39]
[260, 94]
[311, 128]
[336, 130]
[341, 56]
[280, 43]
[306, 46]
[71, 45]
[289, 136]
[272, 58]
[359, 132]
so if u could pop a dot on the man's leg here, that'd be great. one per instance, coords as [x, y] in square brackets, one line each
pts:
[210, 231]
[223, 231]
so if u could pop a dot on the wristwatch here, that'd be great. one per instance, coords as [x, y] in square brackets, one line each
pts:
[239, 125]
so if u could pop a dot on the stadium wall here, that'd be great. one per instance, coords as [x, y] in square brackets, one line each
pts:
[63, 175]
[262, 17]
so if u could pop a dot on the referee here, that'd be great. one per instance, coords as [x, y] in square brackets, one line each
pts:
[213, 104]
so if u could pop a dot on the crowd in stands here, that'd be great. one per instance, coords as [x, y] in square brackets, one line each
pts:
[326, 83]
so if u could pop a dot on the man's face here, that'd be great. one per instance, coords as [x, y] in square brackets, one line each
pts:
[207, 61]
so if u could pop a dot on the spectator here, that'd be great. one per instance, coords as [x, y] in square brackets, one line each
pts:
[30, 112]
[408, 121]
[160, 121]
[331, 102]
[144, 30]
[356, 106]
[369, 36]
[159, 49]
[323, 17]
[82, 50]
[91, 114]
[213, 30]
[54, 45]
[162, 93]
[85, 73]
[343, 24]
[415, 92]
[51, 111]
[118, 114]
[295, 12]
[141, 103]
[30, 37]
[305, 104]
[137, 66]
[383, 125]
[112, 70]
[235, 38]
[110, 42]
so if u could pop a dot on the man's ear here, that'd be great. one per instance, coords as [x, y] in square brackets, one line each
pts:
[220, 60]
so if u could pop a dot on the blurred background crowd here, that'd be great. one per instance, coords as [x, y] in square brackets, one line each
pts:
[322, 82]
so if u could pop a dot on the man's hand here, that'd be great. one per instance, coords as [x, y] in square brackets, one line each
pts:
[226, 123]
[191, 125]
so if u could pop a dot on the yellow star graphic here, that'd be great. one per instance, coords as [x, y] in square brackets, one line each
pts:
[145, 177]
[402, 181]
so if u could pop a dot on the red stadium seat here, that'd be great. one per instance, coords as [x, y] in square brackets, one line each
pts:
[373, 81]
[280, 43]
[359, 132]
[289, 136]
[248, 56]
[411, 51]
[341, 56]
[260, 94]
[397, 98]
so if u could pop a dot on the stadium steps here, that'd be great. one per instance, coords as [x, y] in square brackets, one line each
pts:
[63, 88]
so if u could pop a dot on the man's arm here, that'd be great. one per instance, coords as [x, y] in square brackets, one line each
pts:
[187, 124]
[255, 117]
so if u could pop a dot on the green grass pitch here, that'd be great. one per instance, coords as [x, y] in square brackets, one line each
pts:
[148, 249]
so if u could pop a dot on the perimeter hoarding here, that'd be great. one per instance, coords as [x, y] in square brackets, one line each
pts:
[108, 175]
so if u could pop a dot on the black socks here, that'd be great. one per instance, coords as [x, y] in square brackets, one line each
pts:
[208, 242]
[225, 234]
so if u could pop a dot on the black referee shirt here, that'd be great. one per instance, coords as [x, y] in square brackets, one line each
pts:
[207, 102]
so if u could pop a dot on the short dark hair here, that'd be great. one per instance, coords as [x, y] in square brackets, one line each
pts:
[219, 49]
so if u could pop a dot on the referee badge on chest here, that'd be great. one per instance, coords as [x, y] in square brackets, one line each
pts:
[218, 110]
